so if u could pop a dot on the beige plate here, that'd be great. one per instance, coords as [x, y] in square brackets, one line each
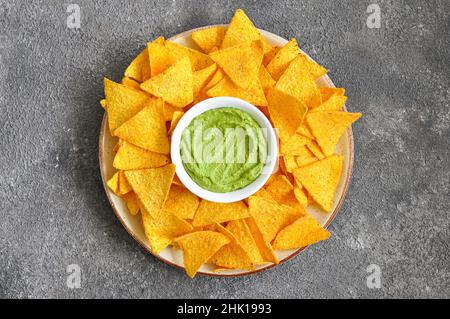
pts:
[174, 257]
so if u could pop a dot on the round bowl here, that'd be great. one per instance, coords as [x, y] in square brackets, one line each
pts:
[174, 257]
[215, 103]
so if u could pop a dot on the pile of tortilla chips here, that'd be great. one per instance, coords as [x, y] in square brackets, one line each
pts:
[164, 81]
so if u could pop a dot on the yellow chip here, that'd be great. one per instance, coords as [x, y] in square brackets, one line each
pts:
[198, 60]
[241, 63]
[161, 231]
[130, 156]
[241, 232]
[264, 247]
[297, 82]
[122, 103]
[175, 119]
[265, 78]
[168, 111]
[113, 183]
[270, 216]
[181, 202]
[270, 55]
[209, 38]
[294, 145]
[281, 60]
[304, 130]
[124, 186]
[328, 127]
[130, 83]
[139, 68]
[232, 255]
[301, 196]
[147, 129]
[315, 70]
[132, 202]
[290, 163]
[282, 191]
[264, 194]
[202, 77]
[199, 247]
[286, 112]
[103, 103]
[174, 85]
[328, 92]
[151, 186]
[305, 157]
[321, 179]
[226, 87]
[334, 103]
[211, 212]
[315, 149]
[160, 56]
[301, 233]
[241, 30]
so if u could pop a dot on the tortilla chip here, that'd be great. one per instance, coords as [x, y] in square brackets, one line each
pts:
[151, 186]
[297, 82]
[132, 202]
[161, 231]
[113, 183]
[174, 85]
[265, 78]
[328, 92]
[198, 60]
[270, 216]
[175, 119]
[147, 129]
[225, 87]
[168, 111]
[290, 163]
[211, 212]
[241, 232]
[264, 247]
[321, 179]
[286, 112]
[199, 247]
[202, 77]
[294, 145]
[160, 56]
[305, 157]
[270, 55]
[232, 255]
[264, 194]
[301, 196]
[124, 186]
[283, 58]
[130, 83]
[130, 156]
[181, 202]
[304, 130]
[209, 38]
[315, 70]
[315, 149]
[103, 103]
[122, 103]
[139, 68]
[328, 127]
[301, 233]
[282, 191]
[334, 103]
[241, 63]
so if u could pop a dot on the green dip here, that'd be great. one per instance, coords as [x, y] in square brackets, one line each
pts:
[223, 149]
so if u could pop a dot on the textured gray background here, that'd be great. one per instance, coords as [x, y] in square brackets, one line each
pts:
[53, 209]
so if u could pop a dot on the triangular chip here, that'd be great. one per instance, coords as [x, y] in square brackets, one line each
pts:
[290, 163]
[301, 196]
[241, 63]
[241, 232]
[175, 119]
[211, 212]
[232, 255]
[132, 202]
[321, 179]
[147, 129]
[286, 112]
[282, 191]
[139, 68]
[270, 55]
[199, 247]
[130, 83]
[103, 103]
[122, 103]
[161, 231]
[151, 186]
[168, 111]
[124, 186]
[264, 247]
[199, 60]
[202, 77]
[333, 103]
[297, 82]
[265, 78]
[271, 217]
[293, 145]
[305, 157]
[301, 233]
[281, 60]
[160, 57]
[315, 149]
[174, 85]
[130, 156]
[113, 183]
[304, 130]
[315, 70]
[209, 38]
[328, 127]
[226, 87]
[181, 202]
[329, 91]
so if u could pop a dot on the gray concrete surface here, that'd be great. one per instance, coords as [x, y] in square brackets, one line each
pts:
[53, 209]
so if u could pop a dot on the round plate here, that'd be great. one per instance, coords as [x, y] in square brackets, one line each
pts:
[174, 257]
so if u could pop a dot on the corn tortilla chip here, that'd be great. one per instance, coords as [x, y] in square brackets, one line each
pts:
[315, 149]
[315, 70]
[283, 58]
[130, 83]
[139, 68]
[304, 130]
[199, 247]
[132, 202]
[327, 92]
[103, 103]
[321, 179]
[168, 111]
[198, 60]
[113, 183]
[265, 78]
[202, 77]
[264, 247]
[181, 202]
[130, 156]
[241, 232]
[124, 186]
[175, 119]
[211, 212]
[333, 103]
[293, 145]
[290, 163]
[305, 157]
[301, 196]
[209, 38]
[151, 186]
[160, 56]
[301, 233]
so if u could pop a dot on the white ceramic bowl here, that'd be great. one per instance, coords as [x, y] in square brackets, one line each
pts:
[215, 103]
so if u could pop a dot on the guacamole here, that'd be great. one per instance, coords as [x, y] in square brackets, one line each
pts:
[223, 149]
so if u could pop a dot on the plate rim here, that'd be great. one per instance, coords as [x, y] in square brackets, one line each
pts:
[218, 274]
